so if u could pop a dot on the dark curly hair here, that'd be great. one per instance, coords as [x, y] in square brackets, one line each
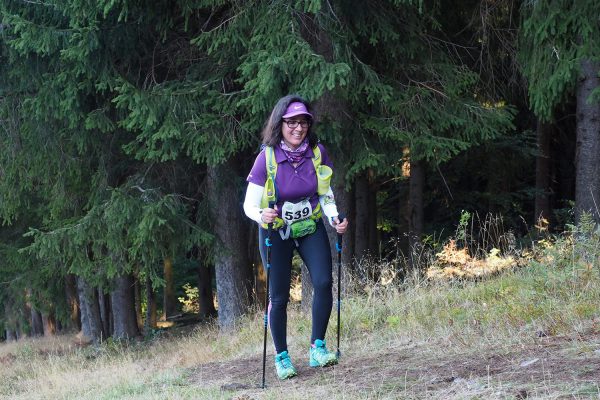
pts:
[271, 133]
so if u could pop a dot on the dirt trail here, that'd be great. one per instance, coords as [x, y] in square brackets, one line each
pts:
[552, 367]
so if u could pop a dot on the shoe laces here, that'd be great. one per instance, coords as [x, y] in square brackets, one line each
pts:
[286, 363]
[321, 350]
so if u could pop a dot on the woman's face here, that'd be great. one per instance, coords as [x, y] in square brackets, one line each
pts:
[294, 130]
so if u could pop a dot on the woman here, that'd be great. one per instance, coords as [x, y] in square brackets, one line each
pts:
[291, 171]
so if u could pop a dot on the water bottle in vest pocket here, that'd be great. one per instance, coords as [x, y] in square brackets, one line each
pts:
[323, 179]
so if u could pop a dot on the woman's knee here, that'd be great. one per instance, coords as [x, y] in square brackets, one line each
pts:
[280, 302]
[324, 284]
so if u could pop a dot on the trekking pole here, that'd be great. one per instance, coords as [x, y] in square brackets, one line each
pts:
[268, 244]
[338, 246]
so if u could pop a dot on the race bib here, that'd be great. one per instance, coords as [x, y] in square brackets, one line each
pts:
[293, 212]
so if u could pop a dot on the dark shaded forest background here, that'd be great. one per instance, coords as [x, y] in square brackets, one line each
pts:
[127, 129]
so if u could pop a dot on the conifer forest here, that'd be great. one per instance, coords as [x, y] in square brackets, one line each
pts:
[128, 128]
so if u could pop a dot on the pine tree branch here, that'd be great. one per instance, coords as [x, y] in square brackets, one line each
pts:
[10, 282]
[39, 3]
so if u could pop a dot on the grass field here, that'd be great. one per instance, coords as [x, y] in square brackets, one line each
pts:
[530, 332]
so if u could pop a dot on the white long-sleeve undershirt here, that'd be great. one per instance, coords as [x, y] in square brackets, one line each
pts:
[252, 202]
[330, 209]
[254, 196]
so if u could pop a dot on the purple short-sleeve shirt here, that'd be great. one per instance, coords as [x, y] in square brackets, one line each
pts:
[293, 184]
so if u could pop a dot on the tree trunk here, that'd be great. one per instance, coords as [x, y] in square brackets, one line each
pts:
[138, 303]
[9, 323]
[49, 323]
[260, 276]
[564, 145]
[73, 300]
[361, 231]
[415, 210]
[36, 327]
[169, 300]
[542, 173]
[206, 305]
[372, 219]
[403, 216]
[150, 321]
[587, 191]
[37, 324]
[122, 299]
[91, 323]
[86, 327]
[105, 312]
[232, 267]
[20, 332]
[348, 205]
[11, 335]
[260, 281]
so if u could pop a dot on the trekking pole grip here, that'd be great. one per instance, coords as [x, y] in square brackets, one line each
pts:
[270, 224]
[338, 245]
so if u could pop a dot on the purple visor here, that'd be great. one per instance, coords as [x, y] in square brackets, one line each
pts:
[296, 108]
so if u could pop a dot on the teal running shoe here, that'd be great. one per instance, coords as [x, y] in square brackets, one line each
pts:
[319, 356]
[283, 366]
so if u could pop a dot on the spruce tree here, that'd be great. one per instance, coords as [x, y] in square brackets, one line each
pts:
[560, 55]
[101, 216]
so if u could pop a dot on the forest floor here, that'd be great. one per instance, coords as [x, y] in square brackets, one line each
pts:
[452, 367]
[547, 367]
[532, 331]
[187, 364]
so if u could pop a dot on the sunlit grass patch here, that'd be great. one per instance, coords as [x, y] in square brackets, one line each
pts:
[455, 263]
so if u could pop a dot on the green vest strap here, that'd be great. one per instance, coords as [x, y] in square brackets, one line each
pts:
[323, 173]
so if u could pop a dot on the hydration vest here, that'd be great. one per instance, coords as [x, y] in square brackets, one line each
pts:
[323, 173]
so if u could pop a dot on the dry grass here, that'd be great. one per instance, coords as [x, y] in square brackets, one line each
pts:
[42, 368]
[453, 263]
[528, 332]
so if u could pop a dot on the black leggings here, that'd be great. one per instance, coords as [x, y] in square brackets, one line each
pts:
[316, 254]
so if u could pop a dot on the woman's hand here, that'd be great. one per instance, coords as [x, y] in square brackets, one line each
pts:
[340, 227]
[268, 215]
